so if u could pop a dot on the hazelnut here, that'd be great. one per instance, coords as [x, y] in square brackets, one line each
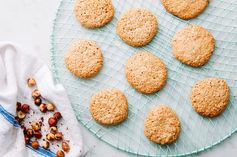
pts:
[18, 119]
[60, 153]
[29, 133]
[57, 115]
[36, 126]
[37, 134]
[53, 129]
[36, 94]
[18, 106]
[43, 107]
[25, 108]
[52, 121]
[58, 136]
[37, 101]
[45, 144]
[31, 82]
[65, 146]
[50, 137]
[27, 140]
[35, 144]
[21, 115]
[24, 130]
[50, 107]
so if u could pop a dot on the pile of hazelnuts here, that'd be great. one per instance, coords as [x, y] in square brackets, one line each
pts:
[35, 130]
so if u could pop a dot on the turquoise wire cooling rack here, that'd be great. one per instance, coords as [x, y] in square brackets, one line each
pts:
[197, 133]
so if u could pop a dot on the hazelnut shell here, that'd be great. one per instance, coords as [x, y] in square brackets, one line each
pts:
[57, 115]
[65, 146]
[25, 108]
[60, 153]
[35, 144]
[52, 121]
[37, 134]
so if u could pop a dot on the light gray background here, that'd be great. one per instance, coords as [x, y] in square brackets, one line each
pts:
[29, 23]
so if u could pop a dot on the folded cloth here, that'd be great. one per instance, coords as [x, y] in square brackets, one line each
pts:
[16, 66]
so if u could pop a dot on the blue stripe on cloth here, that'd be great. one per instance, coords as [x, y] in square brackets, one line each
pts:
[11, 119]
[41, 151]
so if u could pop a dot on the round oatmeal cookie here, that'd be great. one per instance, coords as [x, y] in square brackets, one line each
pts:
[210, 96]
[162, 125]
[193, 45]
[185, 9]
[94, 13]
[137, 27]
[109, 107]
[146, 72]
[84, 58]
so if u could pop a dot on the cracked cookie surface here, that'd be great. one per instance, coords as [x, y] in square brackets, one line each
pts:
[162, 125]
[94, 13]
[185, 9]
[193, 45]
[84, 58]
[137, 27]
[146, 72]
[210, 96]
[109, 107]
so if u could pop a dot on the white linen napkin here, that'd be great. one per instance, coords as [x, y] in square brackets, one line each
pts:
[16, 66]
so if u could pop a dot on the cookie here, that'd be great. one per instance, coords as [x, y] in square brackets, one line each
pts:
[210, 96]
[137, 27]
[84, 58]
[193, 45]
[109, 107]
[185, 9]
[162, 125]
[146, 72]
[94, 13]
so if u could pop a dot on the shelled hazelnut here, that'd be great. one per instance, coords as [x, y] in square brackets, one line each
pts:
[36, 94]
[50, 107]
[37, 101]
[29, 133]
[45, 144]
[31, 82]
[57, 115]
[21, 115]
[18, 106]
[52, 121]
[65, 146]
[43, 107]
[35, 144]
[60, 153]
[50, 137]
[37, 134]
[53, 129]
[27, 140]
[36, 126]
[58, 136]
[25, 108]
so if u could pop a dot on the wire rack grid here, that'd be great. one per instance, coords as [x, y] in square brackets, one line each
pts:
[197, 133]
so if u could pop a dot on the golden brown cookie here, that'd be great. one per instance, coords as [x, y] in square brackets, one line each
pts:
[137, 27]
[84, 58]
[162, 125]
[146, 72]
[210, 96]
[193, 45]
[185, 9]
[94, 13]
[109, 107]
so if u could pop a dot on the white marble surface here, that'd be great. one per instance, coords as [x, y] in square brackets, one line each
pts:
[29, 23]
